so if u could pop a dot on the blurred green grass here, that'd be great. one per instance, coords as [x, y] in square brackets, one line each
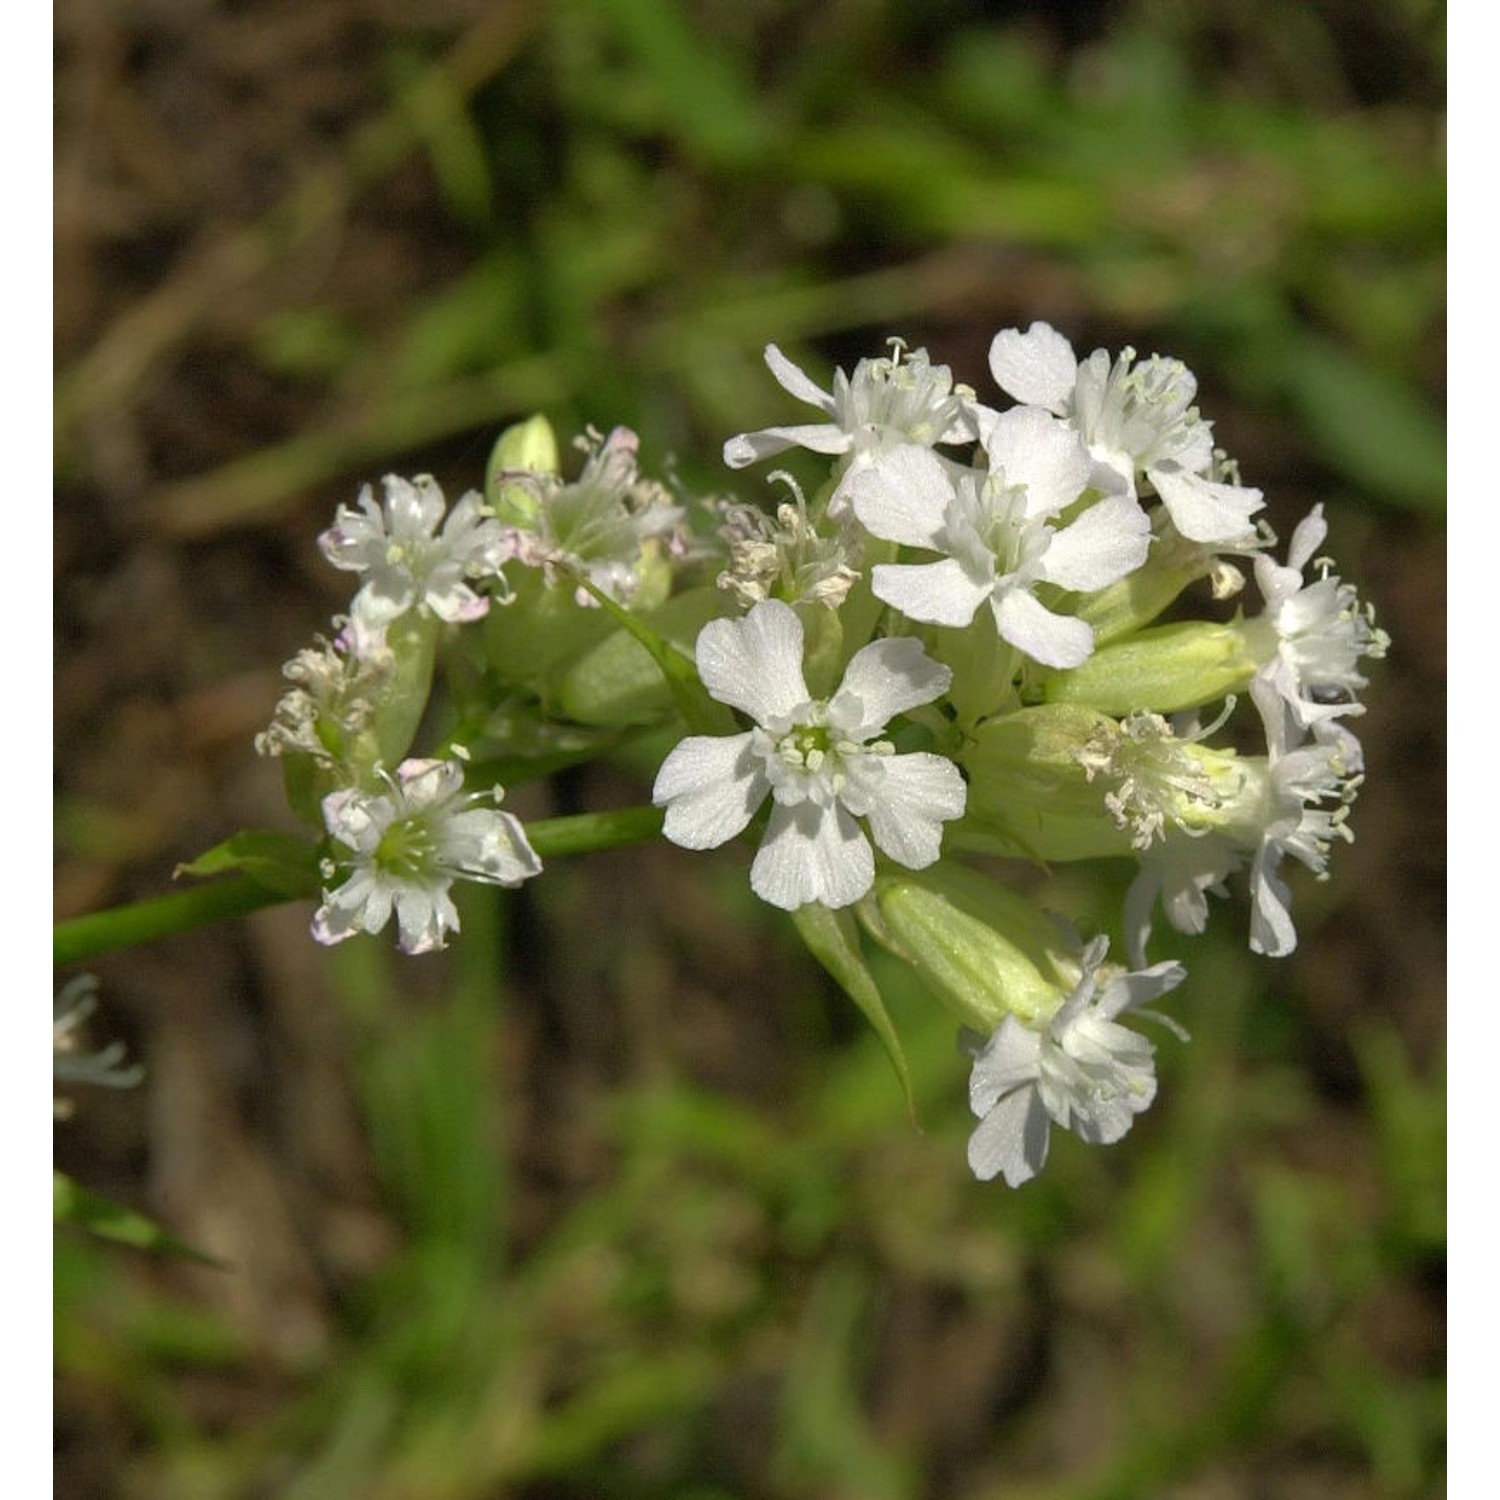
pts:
[661, 1273]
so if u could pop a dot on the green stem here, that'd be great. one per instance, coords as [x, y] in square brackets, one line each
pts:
[585, 832]
[158, 917]
[180, 911]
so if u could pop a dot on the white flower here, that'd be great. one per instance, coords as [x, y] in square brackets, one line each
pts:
[786, 555]
[1296, 822]
[998, 534]
[71, 1007]
[598, 525]
[1136, 417]
[407, 562]
[884, 404]
[1181, 870]
[1318, 632]
[819, 761]
[408, 844]
[1292, 802]
[332, 701]
[1170, 793]
[1081, 1070]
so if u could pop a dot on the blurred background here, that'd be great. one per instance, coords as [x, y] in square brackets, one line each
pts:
[618, 1197]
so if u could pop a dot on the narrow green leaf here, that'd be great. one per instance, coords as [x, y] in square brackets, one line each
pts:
[1374, 427]
[281, 862]
[72, 1204]
[833, 939]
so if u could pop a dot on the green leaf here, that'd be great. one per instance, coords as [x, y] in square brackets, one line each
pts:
[833, 939]
[1376, 428]
[281, 862]
[72, 1204]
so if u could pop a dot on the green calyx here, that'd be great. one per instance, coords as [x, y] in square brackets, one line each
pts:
[1164, 669]
[981, 949]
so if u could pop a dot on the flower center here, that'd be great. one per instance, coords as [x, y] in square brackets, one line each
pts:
[406, 849]
[807, 747]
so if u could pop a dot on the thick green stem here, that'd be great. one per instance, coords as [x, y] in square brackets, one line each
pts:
[181, 911]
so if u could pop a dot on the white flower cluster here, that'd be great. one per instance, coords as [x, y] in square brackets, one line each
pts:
[959, 645]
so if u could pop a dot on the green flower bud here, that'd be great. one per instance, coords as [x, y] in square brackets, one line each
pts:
[1144, 595]
[540, 634]
[527, 447]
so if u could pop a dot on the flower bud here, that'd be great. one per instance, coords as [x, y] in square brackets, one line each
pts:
[528, 447]
[412, 645]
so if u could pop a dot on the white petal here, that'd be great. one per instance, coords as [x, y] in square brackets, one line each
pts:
[424, 917]
[1104, 1118]
[455, 602]
[388, 592]
[361, 904]
[795, 382]
[354, 540]
[1010, 1059]
[1109, 540]
[886, 678]
[750, 447]
[1138, 988]
[1202, 510]
[356, 818]
[486, 844]
[810, 854]
[1053, 640]
[1038, 366]
[1011, 1139]
[916, 794]
[1031, 448]
[1271, 929]
[428, 783]
[755, 663]
[414, 507]
[903, 496]
[1311, 533]
[710, 788]
[940, 593]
